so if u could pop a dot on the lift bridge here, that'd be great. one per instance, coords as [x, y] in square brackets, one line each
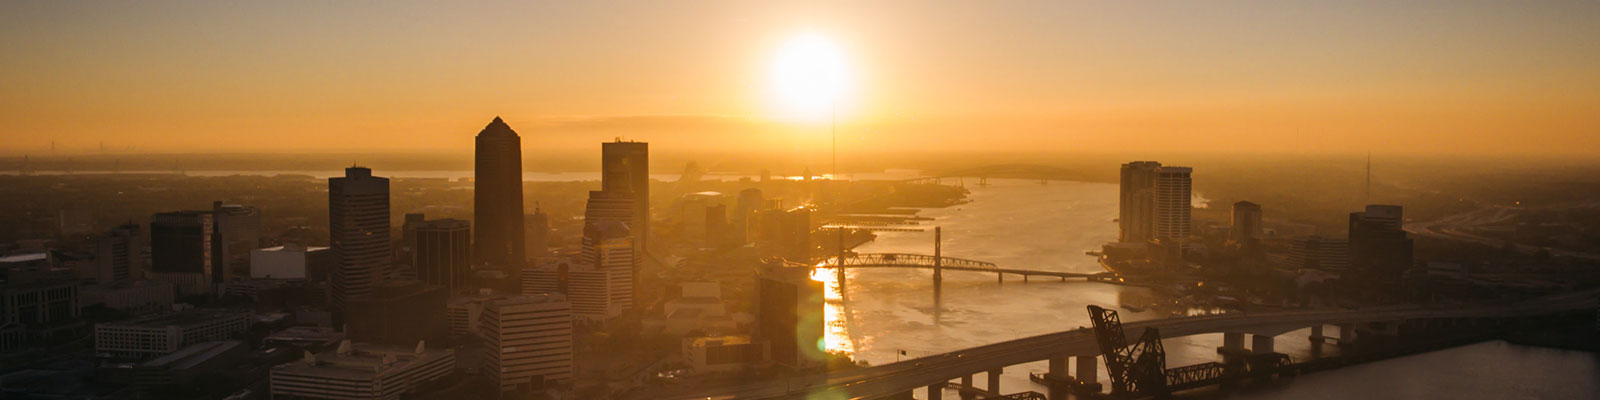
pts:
[1140, 369]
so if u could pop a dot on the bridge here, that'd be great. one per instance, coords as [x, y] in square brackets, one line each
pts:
[939, 263]
[1062, 348]
[923, 261]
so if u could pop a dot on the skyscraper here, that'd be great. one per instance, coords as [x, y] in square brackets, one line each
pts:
[790, 315]
[538, 233]
[625, 170]
[180, 250]
[1246, 222]
[358, 226]
[1138, 202]
[528, 340]
[118, 255]
[1172, 203]
[497, 197]
[238, 231]
[608, 245]
[1379, 248]
[443, 253]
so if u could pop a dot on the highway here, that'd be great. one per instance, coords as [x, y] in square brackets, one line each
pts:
[889, 379]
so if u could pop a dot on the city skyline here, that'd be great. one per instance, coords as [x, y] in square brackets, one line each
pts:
[1400, 198]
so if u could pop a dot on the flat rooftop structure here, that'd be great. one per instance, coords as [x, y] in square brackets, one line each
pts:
[192, 355]
[365, 362]
[185, 318]
[306, 336]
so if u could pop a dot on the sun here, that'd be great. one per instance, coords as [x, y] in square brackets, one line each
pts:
[810, 78]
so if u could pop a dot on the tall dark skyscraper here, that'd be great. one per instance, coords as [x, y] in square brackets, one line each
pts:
[497, 197]
[443, 253]
[358, 226]
[1137, 216]
[625, 171]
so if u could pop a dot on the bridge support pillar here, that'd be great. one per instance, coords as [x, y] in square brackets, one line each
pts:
[936, 391]
[1347, 333]
[1232, 344]
[1261, 344]
[1316, 335]
[1000, 278]
[1088, 376]
[1058, 368]
[994, 381]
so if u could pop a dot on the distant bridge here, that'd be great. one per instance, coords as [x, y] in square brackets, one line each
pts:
[923, 261]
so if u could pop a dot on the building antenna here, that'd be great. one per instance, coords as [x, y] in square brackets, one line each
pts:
[1369, 178]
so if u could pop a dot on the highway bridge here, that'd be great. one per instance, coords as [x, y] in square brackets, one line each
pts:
[923, 261]
[1080, 345]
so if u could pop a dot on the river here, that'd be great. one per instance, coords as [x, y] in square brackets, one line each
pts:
[1025, 224]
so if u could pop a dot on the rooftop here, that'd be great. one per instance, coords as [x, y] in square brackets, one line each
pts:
[363, 361]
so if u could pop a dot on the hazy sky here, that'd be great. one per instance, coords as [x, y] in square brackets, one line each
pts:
[1351, 76]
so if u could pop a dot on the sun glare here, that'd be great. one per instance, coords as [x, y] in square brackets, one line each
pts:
[809, 78]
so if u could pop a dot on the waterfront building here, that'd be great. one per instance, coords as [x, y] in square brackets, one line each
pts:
[1379, 248]
[790, 315]
[1316, 252]
[1173, 206]
[497, 197]
[1137, 211]
[358, 225]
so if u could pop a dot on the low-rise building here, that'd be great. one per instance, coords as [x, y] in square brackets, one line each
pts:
[161, 334]
[362, 371]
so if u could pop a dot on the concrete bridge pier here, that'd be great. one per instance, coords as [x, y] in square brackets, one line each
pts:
[1232, 344]
[1347, 334]
[936, 391]
[1000, 277]
[1088, 376]
[1058, 368]
[1316, 335]
[1262, 344]
[994, 381]
[966, 382]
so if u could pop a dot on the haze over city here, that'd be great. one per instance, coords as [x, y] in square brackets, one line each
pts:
[1460, 77]
[896, 200]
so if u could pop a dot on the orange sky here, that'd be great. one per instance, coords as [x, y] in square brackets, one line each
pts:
[1453, 77]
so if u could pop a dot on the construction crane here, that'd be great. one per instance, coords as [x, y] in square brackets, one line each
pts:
[1140, 369]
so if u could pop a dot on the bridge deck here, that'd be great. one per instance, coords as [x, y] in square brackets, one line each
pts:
[923, 261]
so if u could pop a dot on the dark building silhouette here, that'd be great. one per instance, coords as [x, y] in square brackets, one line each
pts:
[790, 315]
[497, 197]
[180, 243]
[358, 227]
[538, 233]
[443, 253]
[398, 312]
[1379, 248]
[238, 231]
[1137, 214]
[625, 171]
[118, 255]
[1246, 222]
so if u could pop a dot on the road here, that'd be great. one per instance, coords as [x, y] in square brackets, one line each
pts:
[902, 376]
